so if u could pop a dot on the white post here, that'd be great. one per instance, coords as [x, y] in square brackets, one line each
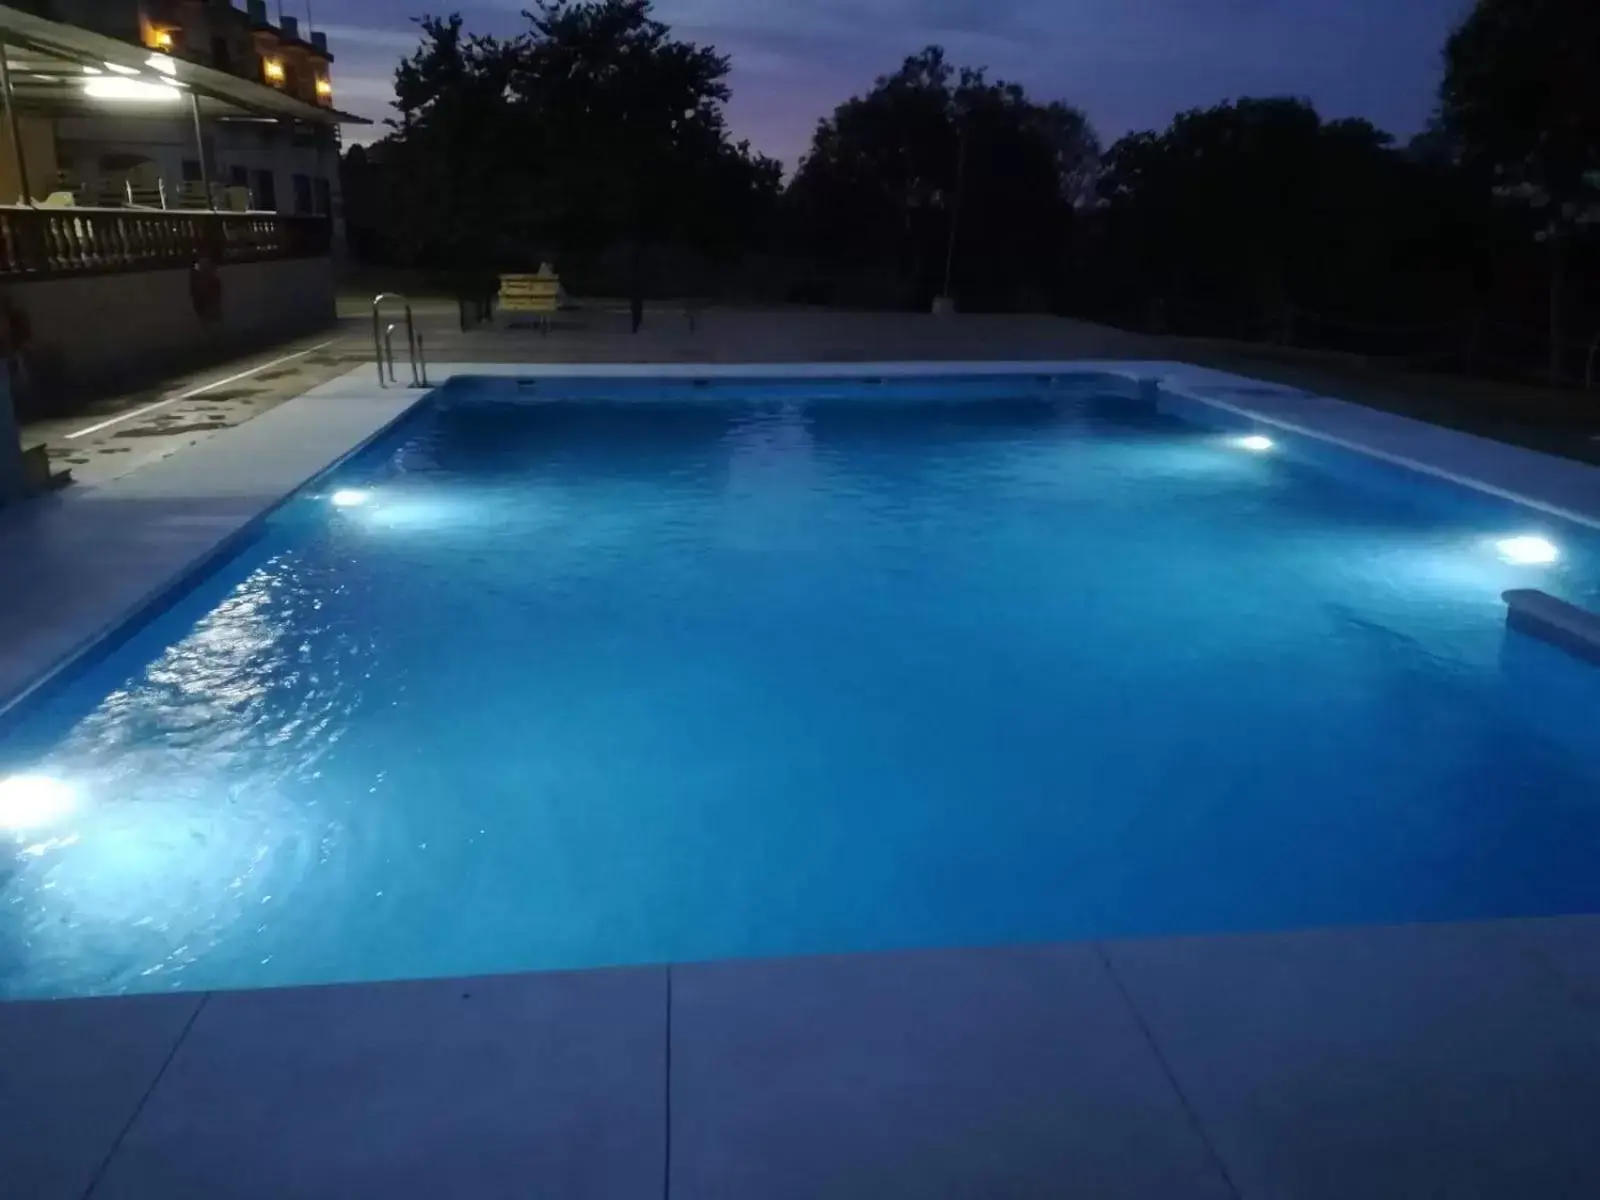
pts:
[19, 160]
[200, 149]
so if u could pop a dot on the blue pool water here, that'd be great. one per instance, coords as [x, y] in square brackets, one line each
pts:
[590, 681]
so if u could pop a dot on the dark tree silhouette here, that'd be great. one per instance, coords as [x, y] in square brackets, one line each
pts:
[1258, 219]
[1521, 102]
[933, 151]
[593, 128]
[595, 133]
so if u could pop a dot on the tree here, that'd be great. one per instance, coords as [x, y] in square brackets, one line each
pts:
[1235, 216]
[593, 127]
[632, 123]
[936, 156]
[1521, 99]
[454, 191]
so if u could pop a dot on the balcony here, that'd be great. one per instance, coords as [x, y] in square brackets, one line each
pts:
[46, 243]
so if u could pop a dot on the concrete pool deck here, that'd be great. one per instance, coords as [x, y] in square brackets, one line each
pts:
[1445, 1060]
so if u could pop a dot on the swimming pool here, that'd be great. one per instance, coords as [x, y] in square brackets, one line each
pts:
[564, 675]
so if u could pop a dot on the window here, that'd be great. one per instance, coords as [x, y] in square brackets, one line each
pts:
[266, 191]
[238, 176]
[221, 55]
[191, 170]
[324, 197]
[302, 193]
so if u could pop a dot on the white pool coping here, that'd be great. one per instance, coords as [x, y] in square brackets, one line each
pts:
[1544, 482]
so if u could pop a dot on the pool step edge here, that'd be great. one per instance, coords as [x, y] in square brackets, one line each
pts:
[1565, 626]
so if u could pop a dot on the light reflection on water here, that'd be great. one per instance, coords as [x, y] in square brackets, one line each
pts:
[183, 832]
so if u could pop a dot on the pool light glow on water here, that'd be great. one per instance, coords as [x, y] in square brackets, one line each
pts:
[1255, 443]
[589, 683]
[29, 802]
[1527, 550]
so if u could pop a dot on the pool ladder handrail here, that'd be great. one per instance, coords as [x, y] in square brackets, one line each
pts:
[383, 342]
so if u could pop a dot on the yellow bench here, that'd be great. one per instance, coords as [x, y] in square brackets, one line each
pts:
[537, 295]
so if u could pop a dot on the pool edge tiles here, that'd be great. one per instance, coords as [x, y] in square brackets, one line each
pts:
[1562, 488]
[1559, 488]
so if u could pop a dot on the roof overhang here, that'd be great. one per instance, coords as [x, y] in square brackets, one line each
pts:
[49, 62]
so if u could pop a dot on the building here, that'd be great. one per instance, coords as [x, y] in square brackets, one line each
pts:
[168, 188]
[256, 160]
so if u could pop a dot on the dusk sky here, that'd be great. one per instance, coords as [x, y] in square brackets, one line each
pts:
[1130, 64]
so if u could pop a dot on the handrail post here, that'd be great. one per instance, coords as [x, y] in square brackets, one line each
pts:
[377, 336]
[419, 373]
[388, 348]
[411, 346]
[377, 345]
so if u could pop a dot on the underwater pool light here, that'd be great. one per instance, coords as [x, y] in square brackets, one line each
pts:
[29, 801]
[348, 498]
[1527, 550]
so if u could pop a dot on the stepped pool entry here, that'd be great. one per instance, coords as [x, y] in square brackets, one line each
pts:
[579, 673]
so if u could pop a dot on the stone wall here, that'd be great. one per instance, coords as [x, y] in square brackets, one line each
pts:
[97, 335]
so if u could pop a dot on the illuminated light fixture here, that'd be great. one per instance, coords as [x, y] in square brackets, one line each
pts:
[29, 801]
[324, 88]
[272, 68]
[1254, 443]
[116, 70]
[348, 498]
[162, 63]
[134, 90]
[161, 39]
[1527, 550]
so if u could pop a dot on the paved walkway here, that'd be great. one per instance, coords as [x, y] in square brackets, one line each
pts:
[1442, 1061]
[120, 434]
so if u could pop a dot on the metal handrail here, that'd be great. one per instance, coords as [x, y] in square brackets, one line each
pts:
[388, 348]
[381, 344]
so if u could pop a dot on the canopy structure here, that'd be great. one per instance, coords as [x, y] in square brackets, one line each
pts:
[66, 70]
